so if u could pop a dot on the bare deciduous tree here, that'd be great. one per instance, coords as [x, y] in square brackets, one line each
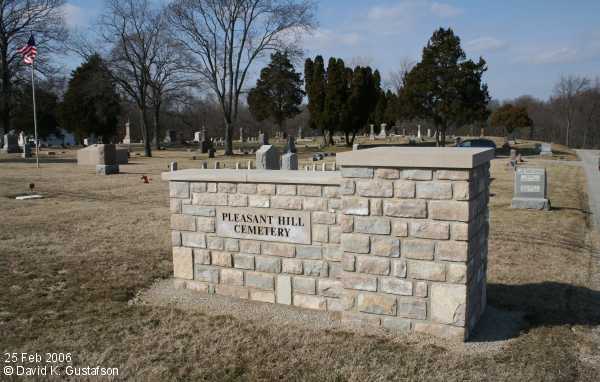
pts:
[566, 92]
[134, 31]
[227, 37]
[168, 78]
[395, 80]
[18, 19]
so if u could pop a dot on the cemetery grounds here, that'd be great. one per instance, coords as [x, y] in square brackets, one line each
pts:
[76, 267]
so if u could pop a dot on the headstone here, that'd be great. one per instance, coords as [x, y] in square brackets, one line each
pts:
[300, 132]
[382, 132]
[122, 155]
[91, 140]
[173, 166]
[429, 133]
[290, 147]
[10, 143]
[372, 132]
[513, 154]
[263, 139]
[217, 165]
[127, 138]
[98, 155]
[267, 158]
[241, 134]
[204, 142]
[107, 169]
[170, 137]
[546, 149]
[204, 165]
[22, 139]
[403, 132]
[355, 147]
[419, 131]
[289, 161]
[27, 150]
[530, 189]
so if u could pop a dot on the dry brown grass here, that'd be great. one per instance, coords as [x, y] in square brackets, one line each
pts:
[70, 263]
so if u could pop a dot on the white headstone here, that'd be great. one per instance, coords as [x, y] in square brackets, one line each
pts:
[418, 131]
[546, 149]
[127, 139]
[372, 132]
[382, 132]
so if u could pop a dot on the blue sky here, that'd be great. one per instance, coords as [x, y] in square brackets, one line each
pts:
[528, 44]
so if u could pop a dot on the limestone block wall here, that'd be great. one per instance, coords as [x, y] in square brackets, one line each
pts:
[305, 275]
[415, 247]
[397, 238]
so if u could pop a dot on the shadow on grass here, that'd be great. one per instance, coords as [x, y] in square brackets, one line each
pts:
[513, 309]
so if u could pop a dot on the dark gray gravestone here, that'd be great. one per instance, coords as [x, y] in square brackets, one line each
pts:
[289, 161]
[10, 143]
[267, 158]
[531, 191]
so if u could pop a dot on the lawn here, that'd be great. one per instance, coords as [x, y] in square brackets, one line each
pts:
[72, 263]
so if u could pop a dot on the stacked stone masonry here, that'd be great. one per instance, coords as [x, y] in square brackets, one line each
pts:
[403, 248]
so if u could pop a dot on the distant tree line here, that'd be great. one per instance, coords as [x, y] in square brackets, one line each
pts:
[571, 116]
[185, 64]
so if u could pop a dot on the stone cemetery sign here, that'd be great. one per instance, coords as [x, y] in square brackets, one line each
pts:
[260, 224]
[530, 189]
[397, 239]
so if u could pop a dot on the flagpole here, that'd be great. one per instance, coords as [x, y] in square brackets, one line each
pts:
[37, 145]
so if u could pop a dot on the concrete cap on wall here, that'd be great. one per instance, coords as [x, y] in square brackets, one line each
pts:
[416, 157]
[255, 176]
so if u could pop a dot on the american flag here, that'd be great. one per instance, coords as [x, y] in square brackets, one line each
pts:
[29, 51]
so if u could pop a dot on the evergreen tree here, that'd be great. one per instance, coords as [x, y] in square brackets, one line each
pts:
[446, 87]
[359, 104]
[91, 104]
[46, 107]
[314, 76]
[278, 92]
[335, 96]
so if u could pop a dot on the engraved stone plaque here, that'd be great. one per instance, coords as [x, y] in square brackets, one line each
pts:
[265, 224]
[530, 189]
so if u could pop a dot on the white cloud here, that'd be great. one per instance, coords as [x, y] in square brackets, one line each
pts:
[75, 16]
[485, 44]
[320, 39]
[409, 10]
[445, 10]
[554, 56]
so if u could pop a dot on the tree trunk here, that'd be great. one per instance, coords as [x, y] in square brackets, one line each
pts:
[437, 136]
[568, 129]
[348, 143]
[6, 90]
[229, 125]
[352, 140]
[146, 133]
[331, 141]
[156, 117]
